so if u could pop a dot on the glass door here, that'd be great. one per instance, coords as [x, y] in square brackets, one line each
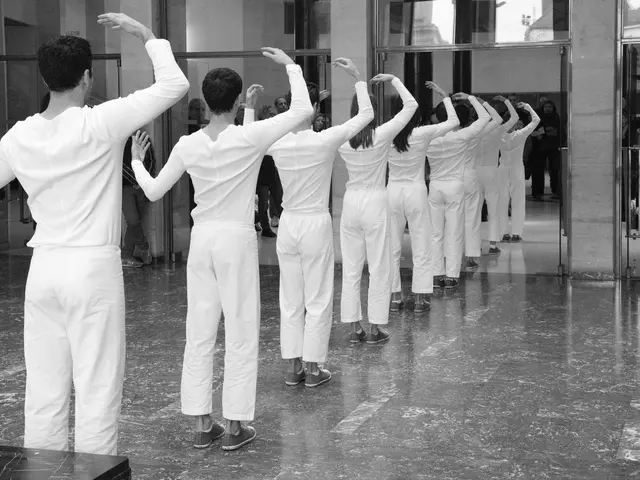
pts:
[535, 75]
[191, 114]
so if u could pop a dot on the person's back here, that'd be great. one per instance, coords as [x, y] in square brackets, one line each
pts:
[446, 156]
[69, 160]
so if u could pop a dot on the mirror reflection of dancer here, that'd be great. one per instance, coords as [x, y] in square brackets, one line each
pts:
[69, 161]
[136, 250]
[365, 222]
[511, 172]
[222, 270]
[305, 240]
[409, 199]
[487, 159]
[446, 191]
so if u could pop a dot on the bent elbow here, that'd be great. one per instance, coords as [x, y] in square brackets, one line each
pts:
[153, 197]
[307, 111]
[183, 86]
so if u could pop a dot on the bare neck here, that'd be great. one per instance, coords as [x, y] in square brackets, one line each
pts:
[62, 101]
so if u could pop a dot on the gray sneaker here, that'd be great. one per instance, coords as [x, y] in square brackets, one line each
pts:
[323, 376]
[234, 442]
[379, 337]
[205, 439]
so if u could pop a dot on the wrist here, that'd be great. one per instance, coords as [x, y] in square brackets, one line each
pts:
[146, 34]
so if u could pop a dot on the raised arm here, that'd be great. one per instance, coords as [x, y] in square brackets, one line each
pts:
[253, 92]
[265, 133]
[118, 119]
[6, 174]
[429, 132]
[388, 131]
[477, 127]
[155, 188]
[513, 119]
[336, 136]
[523, 133]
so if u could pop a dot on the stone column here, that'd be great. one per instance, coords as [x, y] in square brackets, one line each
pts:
[593, 156]
[349, 38]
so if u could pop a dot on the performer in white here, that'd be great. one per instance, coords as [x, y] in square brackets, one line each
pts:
[69, 161]
[487, 161]
[223, 161]
[473, 195]
[304, 160]
[409, 200]
[511, 172]
[365, 222]
[446, 192]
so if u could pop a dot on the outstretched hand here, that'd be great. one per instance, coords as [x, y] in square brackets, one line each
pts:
[140, 145]
[253, 93]
[523, 105]
[382, 78]
[500, 98]
[277, 56]
[435, 88]
[460, 96]
[347, 65]
[120, 21]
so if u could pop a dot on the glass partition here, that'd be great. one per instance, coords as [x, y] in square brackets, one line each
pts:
[631, 18]
[248, 25]
[448, 22]
[191, 113]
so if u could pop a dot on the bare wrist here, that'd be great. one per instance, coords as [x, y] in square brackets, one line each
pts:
[146, 34]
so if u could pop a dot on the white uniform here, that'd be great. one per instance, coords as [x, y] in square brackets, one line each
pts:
[446, 195]
[305, 236]
[222, 269]
[512, 176]
[365, 223]
[71, 168]
[487, 154]
[409, 201]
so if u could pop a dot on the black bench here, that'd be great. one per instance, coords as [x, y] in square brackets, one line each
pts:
[30, 464]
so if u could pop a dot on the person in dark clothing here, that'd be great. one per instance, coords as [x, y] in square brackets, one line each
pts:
[266, 180]
[136, 250]
[546, 151]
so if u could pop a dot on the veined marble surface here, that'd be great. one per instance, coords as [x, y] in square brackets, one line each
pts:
[510, 377]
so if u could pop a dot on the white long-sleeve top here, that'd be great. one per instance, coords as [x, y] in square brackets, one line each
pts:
[471, 153]
[512, 144]
[446, 154]
[488, 150]
[224, 171]
[71, 166]
[409, 166]
[305, 159]
[367, 167]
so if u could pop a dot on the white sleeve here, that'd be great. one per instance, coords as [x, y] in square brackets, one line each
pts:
[120, 118]
[249, 116]
[6, 174]
[513, 119]
[388, 131]
[522, 134]
[156, 188]
[265, 133]
[338, 135]
[429, 132]
[478, 127]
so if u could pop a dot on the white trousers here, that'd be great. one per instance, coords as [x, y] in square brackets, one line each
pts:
[305, 255]
[222, 276]
[410, 202]
[365, 234]
[490, 191]
[513, 187]
[74, 332]
[472, 214]
[446, 199]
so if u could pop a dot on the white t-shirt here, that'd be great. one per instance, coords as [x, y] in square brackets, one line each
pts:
[71, 166]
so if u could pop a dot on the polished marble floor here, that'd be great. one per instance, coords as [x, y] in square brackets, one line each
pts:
[511, 377]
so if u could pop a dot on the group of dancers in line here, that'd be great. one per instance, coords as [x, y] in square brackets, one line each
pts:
[69, 161]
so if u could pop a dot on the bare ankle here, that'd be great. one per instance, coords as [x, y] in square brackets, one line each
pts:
[203, 423]
[233, 427]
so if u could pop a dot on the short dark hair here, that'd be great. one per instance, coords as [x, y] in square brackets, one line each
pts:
[221, 88]
[314, 94]
[63, 60]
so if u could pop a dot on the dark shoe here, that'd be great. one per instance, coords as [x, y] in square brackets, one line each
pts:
[471, 263]
[357, 337]
[268, 233]
[143, 253]
[205, 439]
[450, 283]
[438, 282]
[396, 305]
[422, 306]
[128, 262]
[494, 251]
[506, 238]
[379, 337]
[234, 442]
[258, 227]
[294, 379]
[516, 238]
[323, 376]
